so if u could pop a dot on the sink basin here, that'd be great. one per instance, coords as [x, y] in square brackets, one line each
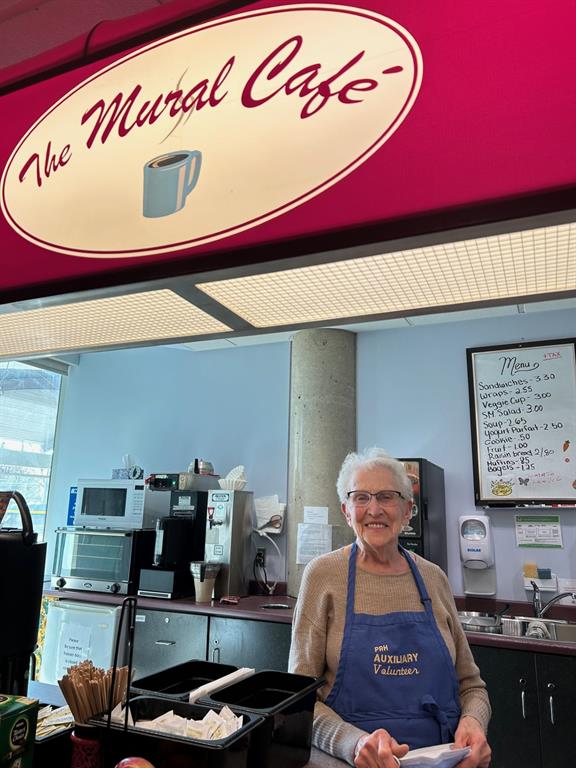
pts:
[519, 626]
[566, 632]
[539, 629]
[473, 621]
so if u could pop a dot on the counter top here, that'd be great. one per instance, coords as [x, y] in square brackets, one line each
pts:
[493, 606]
[522, 643]
[251, 607]
[512, 608]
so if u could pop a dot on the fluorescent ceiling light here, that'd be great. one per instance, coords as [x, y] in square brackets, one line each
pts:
[532, 262]
[114, 321]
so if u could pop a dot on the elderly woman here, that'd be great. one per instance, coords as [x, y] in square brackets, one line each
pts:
[381, 625]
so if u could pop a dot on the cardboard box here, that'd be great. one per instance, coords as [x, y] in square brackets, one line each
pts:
[18, 715]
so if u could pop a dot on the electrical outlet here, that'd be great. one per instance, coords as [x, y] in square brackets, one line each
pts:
[261, 557]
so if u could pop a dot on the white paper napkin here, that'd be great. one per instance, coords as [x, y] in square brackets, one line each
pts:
[439, 756]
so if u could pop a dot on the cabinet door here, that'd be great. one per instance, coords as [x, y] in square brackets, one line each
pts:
[255, 644]
[557, 691]
[510, 678]
[163, 639]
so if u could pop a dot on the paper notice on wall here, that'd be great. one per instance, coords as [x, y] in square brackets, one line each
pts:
[538, 531]
[269, 514]
[74, 646]
[316, 515]
[313, 539]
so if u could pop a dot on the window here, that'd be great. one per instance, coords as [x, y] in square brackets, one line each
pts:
[28, 409]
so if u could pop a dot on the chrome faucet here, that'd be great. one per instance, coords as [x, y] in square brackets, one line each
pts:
[539, 609]
[555, 599]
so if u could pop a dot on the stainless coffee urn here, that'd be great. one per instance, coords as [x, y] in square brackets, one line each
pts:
[229, 520]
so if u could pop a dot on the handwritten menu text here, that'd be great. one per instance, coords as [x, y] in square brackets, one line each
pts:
[525, 401]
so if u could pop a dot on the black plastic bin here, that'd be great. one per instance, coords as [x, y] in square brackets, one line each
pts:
[177, 682]
[286, 702]
[166, 750]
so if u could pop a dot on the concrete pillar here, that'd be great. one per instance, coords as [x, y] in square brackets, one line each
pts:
[322, 431]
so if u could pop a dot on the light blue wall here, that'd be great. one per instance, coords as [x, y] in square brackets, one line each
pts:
[413, 401]
[168, 405]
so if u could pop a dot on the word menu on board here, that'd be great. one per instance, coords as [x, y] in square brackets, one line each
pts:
[523, 413]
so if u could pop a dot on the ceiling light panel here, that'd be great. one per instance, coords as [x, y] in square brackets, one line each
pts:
[118, 320]
[532, 262]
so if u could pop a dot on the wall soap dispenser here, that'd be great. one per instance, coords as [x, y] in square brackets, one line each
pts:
[477, 555]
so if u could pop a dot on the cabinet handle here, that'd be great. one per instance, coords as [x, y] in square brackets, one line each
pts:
[522, 682]
[551, 687]
[523, 701]
[216, 655]
[165, 642]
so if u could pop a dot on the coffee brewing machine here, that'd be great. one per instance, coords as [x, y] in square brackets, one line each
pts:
[180, 536]
[229, 520]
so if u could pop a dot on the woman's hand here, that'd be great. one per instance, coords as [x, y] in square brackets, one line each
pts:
[378, 750]
[470, 734]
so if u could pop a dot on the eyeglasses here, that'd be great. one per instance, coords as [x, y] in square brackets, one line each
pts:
[361, 499]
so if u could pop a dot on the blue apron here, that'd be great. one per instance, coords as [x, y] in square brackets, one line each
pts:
[395, 671]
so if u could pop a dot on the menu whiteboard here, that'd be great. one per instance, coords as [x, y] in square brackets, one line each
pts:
[523, 416]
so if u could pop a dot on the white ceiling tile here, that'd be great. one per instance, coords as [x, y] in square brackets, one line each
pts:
[476, 271]
[112, 321]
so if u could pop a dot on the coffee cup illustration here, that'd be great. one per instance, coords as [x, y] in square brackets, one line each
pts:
[168, 180]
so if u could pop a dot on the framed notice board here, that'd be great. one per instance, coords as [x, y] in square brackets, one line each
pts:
[523, 418]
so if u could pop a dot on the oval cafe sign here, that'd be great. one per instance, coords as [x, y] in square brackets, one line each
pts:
[211, 131]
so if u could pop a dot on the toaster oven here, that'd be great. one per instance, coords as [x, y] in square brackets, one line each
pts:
[101, 560]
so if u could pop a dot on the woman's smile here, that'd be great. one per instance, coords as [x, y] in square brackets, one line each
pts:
[375, 524]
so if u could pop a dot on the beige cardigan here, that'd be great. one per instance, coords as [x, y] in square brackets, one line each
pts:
[318, 629]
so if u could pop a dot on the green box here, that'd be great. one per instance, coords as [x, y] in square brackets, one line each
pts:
[18, 715]
[21, 760]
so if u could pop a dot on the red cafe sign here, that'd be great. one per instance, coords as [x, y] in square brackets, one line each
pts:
[283, 130]
[211, 131]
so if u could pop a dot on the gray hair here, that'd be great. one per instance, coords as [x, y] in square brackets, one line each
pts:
[372, 458]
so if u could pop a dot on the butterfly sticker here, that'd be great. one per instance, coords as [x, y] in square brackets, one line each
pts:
[523, 480]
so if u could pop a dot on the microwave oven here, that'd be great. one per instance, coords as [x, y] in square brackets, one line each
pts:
[101, 560]
[111, 504]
